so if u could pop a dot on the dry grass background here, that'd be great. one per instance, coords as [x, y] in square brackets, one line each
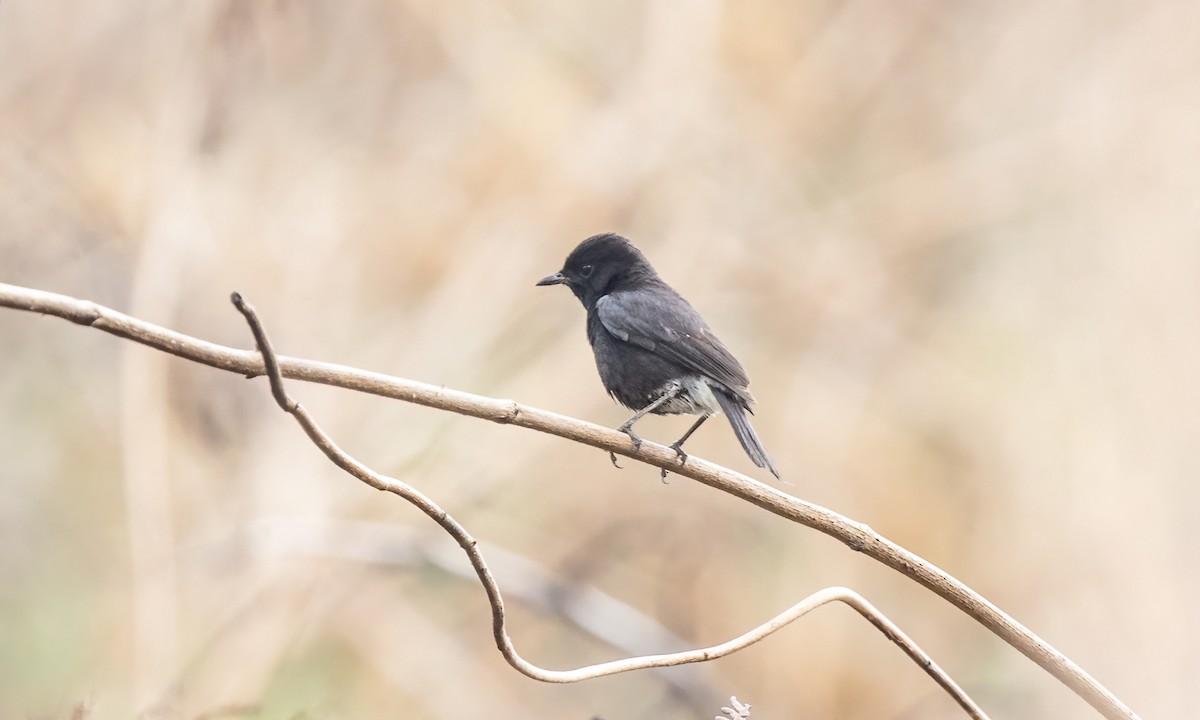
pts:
[954, 243]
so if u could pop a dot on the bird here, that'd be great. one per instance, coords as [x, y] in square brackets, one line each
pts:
[654, 352]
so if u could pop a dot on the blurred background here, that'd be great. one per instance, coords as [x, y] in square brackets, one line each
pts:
[955, 245]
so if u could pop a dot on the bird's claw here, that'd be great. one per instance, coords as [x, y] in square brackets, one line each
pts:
[633, 437]
[679, 453]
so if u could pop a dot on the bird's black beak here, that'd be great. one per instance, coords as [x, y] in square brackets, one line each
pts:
[555, 279]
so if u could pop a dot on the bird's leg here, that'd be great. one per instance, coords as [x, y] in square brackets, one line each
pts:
[677, 446]
[627, 426]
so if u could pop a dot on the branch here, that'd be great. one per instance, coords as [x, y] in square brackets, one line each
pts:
[470, 546]
[857, 536]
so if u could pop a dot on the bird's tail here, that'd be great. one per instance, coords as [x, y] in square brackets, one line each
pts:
[735, 410]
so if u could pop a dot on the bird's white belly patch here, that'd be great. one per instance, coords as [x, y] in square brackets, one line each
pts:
[702, 394]
[696, 398]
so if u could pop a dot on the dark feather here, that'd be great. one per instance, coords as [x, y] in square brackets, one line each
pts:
[658, 319]
[736, 412]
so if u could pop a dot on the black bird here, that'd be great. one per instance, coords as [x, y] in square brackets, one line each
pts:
[654, 352]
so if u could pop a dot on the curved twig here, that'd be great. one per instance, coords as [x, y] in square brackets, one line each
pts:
[857, 536]
[469, 545]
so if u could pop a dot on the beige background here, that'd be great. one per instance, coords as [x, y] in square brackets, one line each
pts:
[955, 245]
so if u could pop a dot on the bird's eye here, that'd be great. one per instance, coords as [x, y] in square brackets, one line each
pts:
[585, 270]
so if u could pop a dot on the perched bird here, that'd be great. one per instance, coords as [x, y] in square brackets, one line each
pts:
[654, 352]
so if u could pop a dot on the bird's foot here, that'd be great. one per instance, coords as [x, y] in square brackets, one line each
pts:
[677, 446]
[627, 428]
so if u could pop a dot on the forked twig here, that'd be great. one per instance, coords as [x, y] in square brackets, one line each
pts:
[495, 599]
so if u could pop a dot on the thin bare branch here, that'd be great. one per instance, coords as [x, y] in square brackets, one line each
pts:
[855, 535]
[469, 545]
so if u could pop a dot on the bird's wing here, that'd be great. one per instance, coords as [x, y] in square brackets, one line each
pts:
[665, 324]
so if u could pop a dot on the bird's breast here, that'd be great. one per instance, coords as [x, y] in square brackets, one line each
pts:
[637, 377]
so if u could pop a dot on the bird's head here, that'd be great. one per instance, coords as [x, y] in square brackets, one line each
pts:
[600, 265]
